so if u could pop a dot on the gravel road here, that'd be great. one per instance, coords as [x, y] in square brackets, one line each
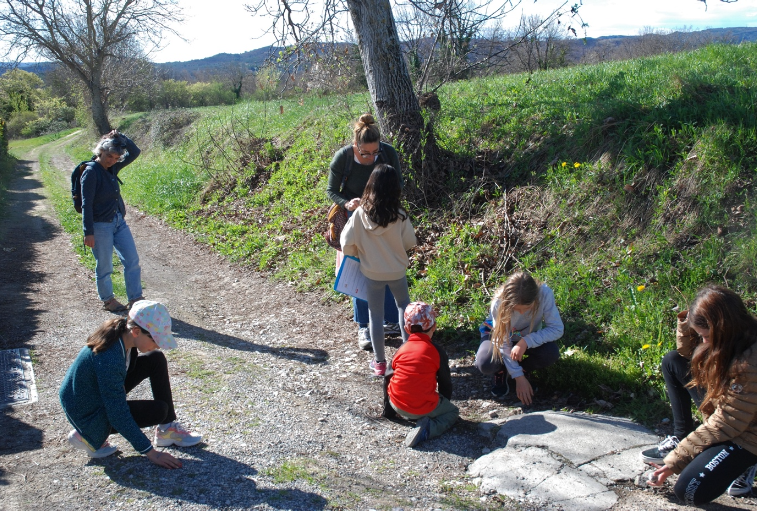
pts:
[272, 378]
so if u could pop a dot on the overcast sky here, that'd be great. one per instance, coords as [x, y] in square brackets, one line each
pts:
[224, 26]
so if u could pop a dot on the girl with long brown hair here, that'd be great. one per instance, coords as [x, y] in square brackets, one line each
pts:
[380, 234]
[717, 334]
[523, 318]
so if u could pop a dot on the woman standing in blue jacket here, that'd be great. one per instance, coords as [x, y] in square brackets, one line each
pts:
[103, 218]
[93, 392]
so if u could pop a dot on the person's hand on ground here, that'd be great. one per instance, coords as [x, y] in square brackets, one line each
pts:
[523, 390]
[659, 475]
[89, 240]
[163, 459]
[518, 350]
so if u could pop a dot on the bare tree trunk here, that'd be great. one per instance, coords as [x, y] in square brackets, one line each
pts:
[99, 107]
[388, 79]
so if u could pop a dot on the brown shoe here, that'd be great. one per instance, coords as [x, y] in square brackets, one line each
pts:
[132, 302]
[113, 305]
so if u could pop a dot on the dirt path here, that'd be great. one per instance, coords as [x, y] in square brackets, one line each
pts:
[272, 378]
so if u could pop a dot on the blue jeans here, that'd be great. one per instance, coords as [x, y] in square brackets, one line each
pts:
[110, 235]
[361, 309]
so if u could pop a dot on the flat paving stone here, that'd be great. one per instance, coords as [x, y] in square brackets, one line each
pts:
[580, 437]
[564, 459]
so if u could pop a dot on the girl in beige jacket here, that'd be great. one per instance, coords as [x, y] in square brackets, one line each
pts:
[719, 335]
[379, 233]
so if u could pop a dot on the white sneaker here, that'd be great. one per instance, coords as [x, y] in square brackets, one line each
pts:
[743, 484]
[364, 339]
[175, 434]
[75, 439]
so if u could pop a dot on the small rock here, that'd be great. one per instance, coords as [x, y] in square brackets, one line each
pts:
[493, 414]
[485, 450]
[665, 421]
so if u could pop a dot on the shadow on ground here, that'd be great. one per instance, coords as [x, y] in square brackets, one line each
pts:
[196, 333]
[24, 437]
[21, 231]
[206, 478]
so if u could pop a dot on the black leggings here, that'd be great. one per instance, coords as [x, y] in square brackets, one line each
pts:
[152, 365]
[712, 472]
[677, 373]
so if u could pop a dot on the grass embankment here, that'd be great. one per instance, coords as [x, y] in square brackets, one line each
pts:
[625, 186]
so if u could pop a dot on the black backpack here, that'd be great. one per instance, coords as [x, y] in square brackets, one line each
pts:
[76, 184]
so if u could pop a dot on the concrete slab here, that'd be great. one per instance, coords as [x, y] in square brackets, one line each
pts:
[580, 437]
[536, 474]
[563, 459]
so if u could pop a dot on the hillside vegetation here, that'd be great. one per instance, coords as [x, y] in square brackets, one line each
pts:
[626, 186]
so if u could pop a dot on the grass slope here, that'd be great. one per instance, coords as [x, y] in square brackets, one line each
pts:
[625, 186]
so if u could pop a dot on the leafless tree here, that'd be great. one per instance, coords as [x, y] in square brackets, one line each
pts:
[541, 44]
[296, 26]
[98, 40]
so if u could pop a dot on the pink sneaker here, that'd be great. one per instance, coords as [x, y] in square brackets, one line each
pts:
[175, 434]
[379, 368]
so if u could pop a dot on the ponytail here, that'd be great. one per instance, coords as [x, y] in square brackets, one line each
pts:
[108, 333]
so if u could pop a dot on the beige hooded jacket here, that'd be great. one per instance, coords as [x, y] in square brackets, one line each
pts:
[382, 250]
[735, 415]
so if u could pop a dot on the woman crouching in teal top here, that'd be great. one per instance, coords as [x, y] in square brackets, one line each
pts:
[93, 392]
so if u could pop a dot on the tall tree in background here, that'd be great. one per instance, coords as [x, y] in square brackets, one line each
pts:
[386, 72]
[100, 41]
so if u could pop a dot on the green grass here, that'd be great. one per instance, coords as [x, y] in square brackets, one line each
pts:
[292, 470]
[613, 176]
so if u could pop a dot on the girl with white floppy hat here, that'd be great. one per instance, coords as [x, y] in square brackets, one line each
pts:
[118, 356]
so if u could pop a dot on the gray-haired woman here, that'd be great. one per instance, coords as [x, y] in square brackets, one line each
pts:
[103, 213]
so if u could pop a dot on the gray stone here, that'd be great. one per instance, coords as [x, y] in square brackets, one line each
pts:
[488, 429]
[563, 459]
[537, 474]
[580, 437]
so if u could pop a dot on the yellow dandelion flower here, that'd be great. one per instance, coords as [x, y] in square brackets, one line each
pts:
[564, 163]
[576, 165]
[641, 288]
[659, 344]
[645, 347]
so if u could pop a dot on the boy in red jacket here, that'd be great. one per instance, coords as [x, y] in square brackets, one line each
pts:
[410, 383]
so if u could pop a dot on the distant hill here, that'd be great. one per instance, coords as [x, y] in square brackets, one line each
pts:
[193, 70]
[202, 69]
[732, 35]
[197, 69]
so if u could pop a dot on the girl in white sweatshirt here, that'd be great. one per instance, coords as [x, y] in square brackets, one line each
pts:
[379, 233]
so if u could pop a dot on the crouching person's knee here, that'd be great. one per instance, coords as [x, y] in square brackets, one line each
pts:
[485, 362]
